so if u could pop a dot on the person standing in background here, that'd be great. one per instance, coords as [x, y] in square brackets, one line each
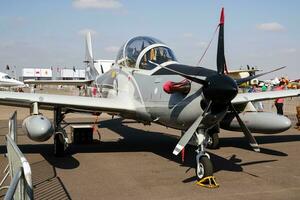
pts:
[279, 102]
[264, 88]
[258, 104]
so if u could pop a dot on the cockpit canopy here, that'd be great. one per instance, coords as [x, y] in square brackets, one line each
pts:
[6, 77]
[138, 51]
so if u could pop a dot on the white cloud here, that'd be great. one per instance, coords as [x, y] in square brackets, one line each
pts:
[97, 4]
[112, 49]
[272, 26]
[84, 31]
[188, 35]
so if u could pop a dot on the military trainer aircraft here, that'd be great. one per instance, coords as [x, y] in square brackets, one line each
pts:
[149, 85]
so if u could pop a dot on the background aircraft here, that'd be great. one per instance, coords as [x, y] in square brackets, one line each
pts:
[149, 85]
[7, 81]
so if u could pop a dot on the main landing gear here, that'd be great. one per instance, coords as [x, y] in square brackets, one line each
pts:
[213, 138]
[204, 167]
[212, 141]
[60, 135]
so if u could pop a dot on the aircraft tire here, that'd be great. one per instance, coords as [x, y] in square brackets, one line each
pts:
[204, 168]
[213, 141]
[58, 145]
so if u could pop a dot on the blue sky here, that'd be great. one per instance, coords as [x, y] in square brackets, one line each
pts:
[36, 33]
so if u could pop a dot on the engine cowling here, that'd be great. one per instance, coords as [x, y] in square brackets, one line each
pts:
[38, 128]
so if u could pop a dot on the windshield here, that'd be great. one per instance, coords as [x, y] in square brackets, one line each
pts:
[129, 53]
[157, 55]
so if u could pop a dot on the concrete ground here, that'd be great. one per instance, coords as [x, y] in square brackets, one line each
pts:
[133, 161]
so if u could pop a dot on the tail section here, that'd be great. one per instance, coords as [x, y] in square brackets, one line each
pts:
[88, 47]
[91, 71]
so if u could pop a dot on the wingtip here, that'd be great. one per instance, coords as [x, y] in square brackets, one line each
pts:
[222, 17]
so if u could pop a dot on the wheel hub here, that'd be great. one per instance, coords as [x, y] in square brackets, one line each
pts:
[200, 170]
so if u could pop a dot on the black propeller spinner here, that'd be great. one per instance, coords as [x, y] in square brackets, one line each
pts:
[220, 89]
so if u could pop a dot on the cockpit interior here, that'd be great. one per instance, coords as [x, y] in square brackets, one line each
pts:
[138, 51]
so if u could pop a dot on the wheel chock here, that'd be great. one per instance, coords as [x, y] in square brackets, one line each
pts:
[208, 182]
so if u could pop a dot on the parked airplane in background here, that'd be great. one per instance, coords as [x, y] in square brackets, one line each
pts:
[7, 81]
[242, 73]
[149, 85]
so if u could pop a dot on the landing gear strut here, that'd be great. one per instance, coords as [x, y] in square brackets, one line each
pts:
[60, 135]
[204, 167]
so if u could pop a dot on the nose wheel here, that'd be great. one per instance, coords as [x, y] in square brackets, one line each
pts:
[204, 168]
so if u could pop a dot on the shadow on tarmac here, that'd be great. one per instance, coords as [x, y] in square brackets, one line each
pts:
[163, 144]
[135, 140]
[46, 184]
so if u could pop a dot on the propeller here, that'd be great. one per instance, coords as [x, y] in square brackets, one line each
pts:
[246, 131]
[219, 89]
[249, 78]
[189, 77]
[190, 132]
[221, 62]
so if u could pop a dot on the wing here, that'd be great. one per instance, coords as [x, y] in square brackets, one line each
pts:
[49, 101]
[59, 82]
[260, 96]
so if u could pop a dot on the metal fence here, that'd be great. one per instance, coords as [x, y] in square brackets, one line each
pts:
[20, 173]
[12, 127]
[18, 167]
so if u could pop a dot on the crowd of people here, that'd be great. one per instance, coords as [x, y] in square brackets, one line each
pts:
[278, 103]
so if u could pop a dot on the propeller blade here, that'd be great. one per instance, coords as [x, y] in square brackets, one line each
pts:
[221, 62]
[246, 131]
[187, 136]
[190, 132]
[249, 78]
[189, 77]
[102, 71]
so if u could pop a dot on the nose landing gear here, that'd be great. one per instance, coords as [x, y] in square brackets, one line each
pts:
[204, 167]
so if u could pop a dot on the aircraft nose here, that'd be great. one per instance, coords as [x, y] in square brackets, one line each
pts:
[221, 89]
[19, 82]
